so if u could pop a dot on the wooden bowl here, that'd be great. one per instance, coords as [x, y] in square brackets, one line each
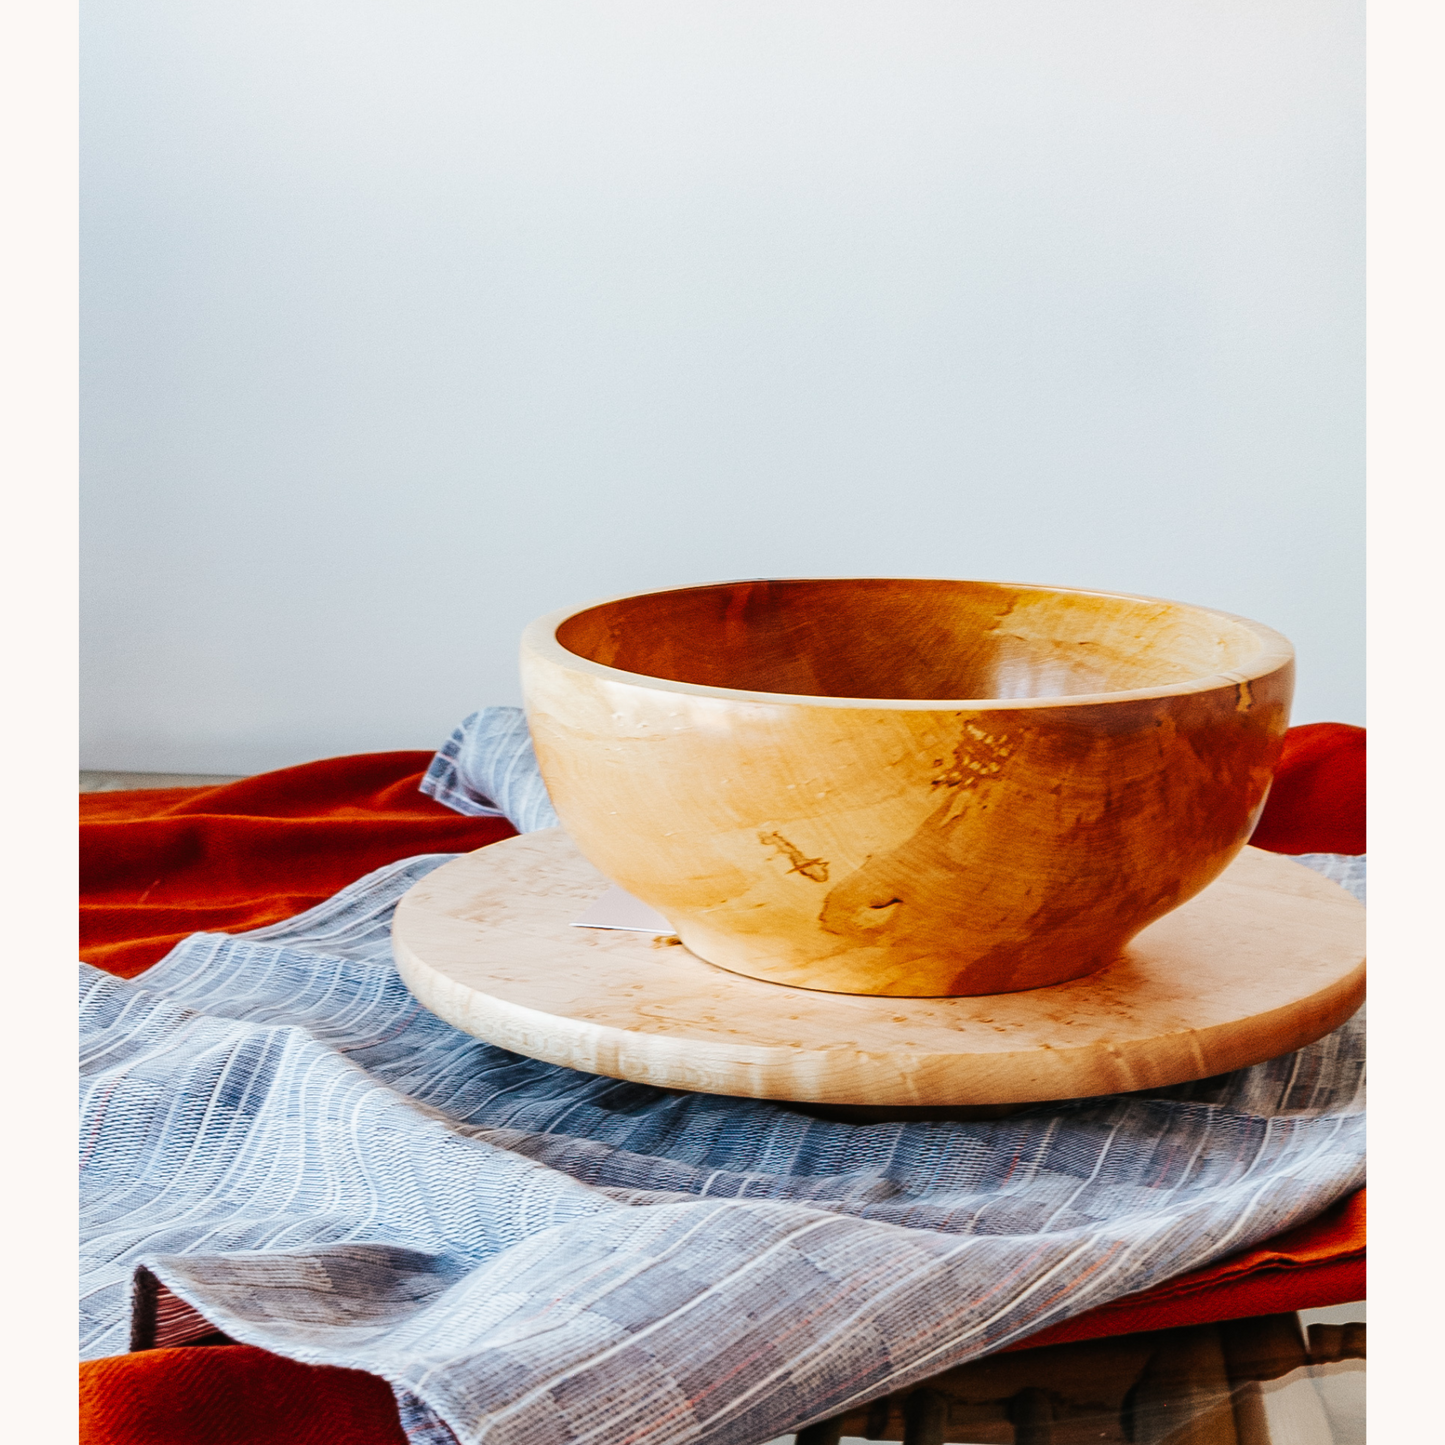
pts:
[906, 787]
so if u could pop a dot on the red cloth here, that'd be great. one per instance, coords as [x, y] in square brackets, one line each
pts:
[1320, 1263]
[161, 864]
[232, 1395]
[1317, 803]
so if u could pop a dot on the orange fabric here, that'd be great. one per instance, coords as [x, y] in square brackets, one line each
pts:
[1317, 804]
[161, 864]
[232, 1395]
[1320, 1263]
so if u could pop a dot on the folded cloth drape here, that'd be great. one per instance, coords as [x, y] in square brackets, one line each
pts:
[281, 1144]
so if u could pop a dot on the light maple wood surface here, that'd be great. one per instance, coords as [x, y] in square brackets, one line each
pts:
[1265, 960]
[904, 787]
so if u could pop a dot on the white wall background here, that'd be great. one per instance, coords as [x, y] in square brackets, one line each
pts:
[407, 320]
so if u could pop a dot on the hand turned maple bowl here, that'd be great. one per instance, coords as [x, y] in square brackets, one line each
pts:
[907, 787]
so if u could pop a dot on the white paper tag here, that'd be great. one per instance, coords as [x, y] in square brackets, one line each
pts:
[617, 908]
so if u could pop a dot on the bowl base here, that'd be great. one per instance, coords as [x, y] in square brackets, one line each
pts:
[919, 978]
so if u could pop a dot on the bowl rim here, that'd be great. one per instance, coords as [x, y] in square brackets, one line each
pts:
[1274, 653]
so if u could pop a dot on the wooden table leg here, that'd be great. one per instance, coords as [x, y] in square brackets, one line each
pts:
[825, 1432]
[925, 1418]
[1031, 1412]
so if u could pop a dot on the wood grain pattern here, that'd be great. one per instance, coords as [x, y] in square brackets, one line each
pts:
[1265, 960]
[909, 788]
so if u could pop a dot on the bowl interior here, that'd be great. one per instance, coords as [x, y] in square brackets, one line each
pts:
[897, 638]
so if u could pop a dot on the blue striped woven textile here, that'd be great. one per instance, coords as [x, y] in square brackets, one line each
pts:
[487, 769]
[278, 1133]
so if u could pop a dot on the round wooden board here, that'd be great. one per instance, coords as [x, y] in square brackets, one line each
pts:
[1267, 959]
